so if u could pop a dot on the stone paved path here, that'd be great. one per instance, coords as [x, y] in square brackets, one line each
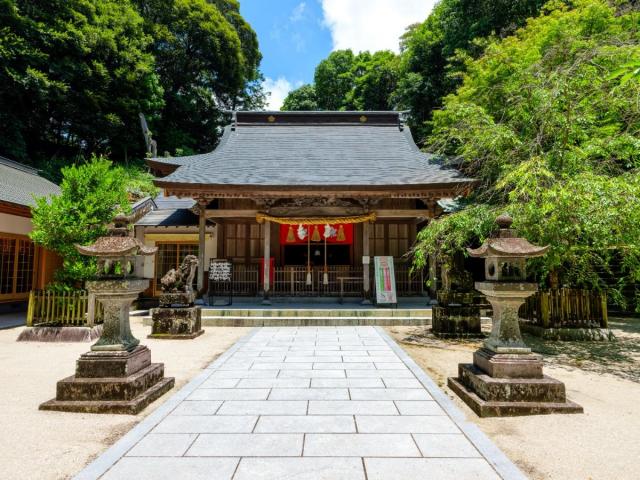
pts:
[307, 403]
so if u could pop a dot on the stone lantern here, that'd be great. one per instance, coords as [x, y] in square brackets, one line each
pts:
[116, 375]
[506, 378]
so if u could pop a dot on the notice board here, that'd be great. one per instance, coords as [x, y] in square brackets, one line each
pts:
[385, 280]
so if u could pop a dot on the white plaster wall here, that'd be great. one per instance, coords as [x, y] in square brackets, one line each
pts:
[15, 224]
[150, 261]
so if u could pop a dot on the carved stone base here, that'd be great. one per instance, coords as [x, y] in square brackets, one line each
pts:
[111, 382]
[176, 323]
[497, 385]
[456, 321]
[505, 365]
[177, 299]
[492, 408]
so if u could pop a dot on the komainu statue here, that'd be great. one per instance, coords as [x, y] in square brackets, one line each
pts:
[180, 280]
[178, 317]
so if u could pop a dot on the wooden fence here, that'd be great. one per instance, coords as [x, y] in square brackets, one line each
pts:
[566, 308]
[63, 308]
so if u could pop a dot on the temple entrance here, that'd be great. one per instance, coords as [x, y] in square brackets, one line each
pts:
[299, 254]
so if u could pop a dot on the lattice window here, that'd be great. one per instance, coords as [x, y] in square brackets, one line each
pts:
[243, 242]
[389, 239]
[17, 260]
[171, 255]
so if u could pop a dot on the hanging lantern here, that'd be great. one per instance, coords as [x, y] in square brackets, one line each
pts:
[290, 236]
[341, 235]
[315, 237]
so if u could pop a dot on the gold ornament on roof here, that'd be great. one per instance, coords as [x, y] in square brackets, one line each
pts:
[271, 118]
[363, 119]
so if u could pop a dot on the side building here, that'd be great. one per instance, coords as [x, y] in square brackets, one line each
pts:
[313, 195]
[23, 265]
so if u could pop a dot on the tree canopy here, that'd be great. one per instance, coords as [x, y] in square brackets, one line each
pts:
[91, 195]
[551, 129]
[74, 74]
[301, 99]
[344, 81]
[433, 52]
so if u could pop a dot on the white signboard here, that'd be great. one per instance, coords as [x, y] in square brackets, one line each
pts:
[385, 280]
[219, 270]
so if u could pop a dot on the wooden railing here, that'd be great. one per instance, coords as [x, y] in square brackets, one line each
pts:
[342, 281]
[71, 308]
[566, 308]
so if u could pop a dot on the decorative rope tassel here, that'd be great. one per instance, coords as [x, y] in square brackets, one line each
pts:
[308, 278]
[316, 234]
[341, 236]
[290, 236]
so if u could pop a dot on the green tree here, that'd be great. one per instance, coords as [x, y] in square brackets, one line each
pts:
[207, 58]
[375, 80]
[344, 81]
[73, 76]
[333, 80]
[554, 138]
[432, 51]
[91, 195]
[301, 99]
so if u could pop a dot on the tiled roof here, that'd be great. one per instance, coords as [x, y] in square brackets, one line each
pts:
[312, 149]
[19, 184]
[180, 217]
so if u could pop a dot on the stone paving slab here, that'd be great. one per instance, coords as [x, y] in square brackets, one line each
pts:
[307, 403]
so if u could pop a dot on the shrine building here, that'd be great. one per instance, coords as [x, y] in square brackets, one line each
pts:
[314, 195]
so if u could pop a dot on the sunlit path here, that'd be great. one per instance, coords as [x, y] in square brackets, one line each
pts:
[307, 403]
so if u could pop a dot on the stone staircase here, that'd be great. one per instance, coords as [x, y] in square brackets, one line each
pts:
[340, 315]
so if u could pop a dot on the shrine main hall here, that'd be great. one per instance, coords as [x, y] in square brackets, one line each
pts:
[313, 195]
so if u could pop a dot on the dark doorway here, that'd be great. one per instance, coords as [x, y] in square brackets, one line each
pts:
[336, 255]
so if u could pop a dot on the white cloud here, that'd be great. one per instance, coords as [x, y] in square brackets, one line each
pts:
[297, 13]
[372, 24]
[278, 90]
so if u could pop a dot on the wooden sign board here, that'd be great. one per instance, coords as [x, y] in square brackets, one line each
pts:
[220, 270]
[220, 281]
[385, 280]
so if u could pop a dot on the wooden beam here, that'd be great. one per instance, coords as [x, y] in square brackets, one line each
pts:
[326, 211]
[231, 214]
[366, 259]
[267, 261]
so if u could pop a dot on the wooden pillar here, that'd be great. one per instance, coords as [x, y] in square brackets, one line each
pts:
[266, 279]
[366, 263]
[202, 224]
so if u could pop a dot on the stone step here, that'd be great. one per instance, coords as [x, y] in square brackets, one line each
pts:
[317, 313]
[126, 407]
[110, 388]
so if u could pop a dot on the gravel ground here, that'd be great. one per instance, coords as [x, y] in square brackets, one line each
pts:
[53, 445]
[601, 444]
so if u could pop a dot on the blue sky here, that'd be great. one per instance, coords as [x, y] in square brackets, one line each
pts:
[295, 35]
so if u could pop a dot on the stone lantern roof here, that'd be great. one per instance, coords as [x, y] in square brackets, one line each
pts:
[506, 244]
[117, 243]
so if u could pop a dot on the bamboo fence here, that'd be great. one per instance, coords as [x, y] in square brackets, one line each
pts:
[566, 308]
[71, 308]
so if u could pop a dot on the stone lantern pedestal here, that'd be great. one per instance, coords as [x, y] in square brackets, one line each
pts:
[506, 378]
[116, 375]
